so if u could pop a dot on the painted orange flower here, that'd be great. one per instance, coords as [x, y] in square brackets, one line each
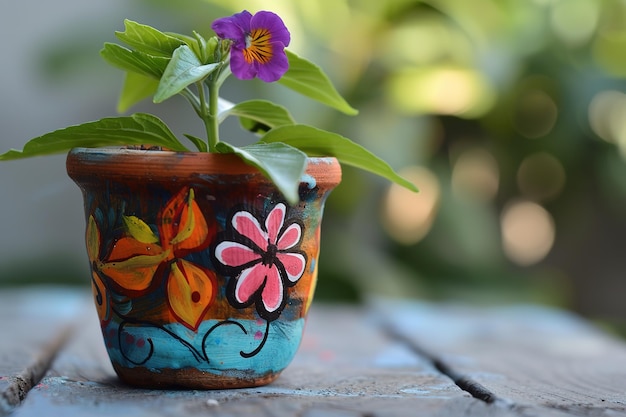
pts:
[135, 258]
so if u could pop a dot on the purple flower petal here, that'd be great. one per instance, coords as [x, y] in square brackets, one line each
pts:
[235, 27]
[275, 68]
[240, 67]
[274, 24]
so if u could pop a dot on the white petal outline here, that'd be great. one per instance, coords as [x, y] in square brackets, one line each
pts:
[225, 245]
[282, 245]
[291, 276]
[281, 288]
[271, 273]
[272, 232]
[257, 235]
[243, 277]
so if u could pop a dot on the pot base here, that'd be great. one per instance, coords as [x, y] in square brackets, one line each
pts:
[188, 378]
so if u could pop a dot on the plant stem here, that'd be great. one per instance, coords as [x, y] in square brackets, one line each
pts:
[210, 112]
[214, 114]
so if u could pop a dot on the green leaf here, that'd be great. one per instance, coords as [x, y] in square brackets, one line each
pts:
[259, 115]
[200, 144]
[189, 40]
[282, 164]
[204, 51]
[184, 69]
[147, 39]
[203, 48]
[135, 61]
[138, 129]
[136, 88]
[317, 142]
[309, 80]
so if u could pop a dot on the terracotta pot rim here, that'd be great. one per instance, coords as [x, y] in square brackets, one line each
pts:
[156, 164]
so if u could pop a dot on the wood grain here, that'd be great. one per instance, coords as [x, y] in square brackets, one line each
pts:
[33, 329]
[345, 367]
[378, 377]
[389, 359]
[528, 358]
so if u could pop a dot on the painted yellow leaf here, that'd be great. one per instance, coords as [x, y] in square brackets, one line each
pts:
[134, 273]
[93, 239]
[190, 292]
[138, 229]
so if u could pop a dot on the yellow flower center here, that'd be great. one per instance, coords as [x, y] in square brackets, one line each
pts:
[258, 47]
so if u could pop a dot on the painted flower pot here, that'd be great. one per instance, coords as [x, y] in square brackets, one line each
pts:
[202, 274]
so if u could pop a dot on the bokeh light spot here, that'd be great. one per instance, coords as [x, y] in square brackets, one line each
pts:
[476, 175]
[608, 50]
[535, 114]
[441, 90]
[606, 117]
[408, 216]
[528, 232]
[541, 176]
[574, 21]
[599, 113]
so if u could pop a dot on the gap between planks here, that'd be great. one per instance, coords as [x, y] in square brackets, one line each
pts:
[323, 380]
[527, 359]
[19, 385]
[465, 383]
[23, 381]
[35, 327]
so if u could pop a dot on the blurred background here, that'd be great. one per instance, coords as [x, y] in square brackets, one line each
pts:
[509, 115]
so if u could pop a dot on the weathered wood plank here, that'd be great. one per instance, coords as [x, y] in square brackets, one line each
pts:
[34, 326]
[345, 367]
[534, 362]
[530, 359]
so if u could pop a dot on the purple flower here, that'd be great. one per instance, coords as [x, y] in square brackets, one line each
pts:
[258, 48]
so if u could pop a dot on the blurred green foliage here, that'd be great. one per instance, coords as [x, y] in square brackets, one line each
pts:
[497, 102]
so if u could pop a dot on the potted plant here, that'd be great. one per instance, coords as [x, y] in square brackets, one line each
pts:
[204, 263]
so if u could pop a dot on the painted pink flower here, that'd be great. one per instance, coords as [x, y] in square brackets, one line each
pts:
[258, 44]
[265, 260]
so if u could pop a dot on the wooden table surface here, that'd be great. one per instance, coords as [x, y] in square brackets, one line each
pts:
[389, 358]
